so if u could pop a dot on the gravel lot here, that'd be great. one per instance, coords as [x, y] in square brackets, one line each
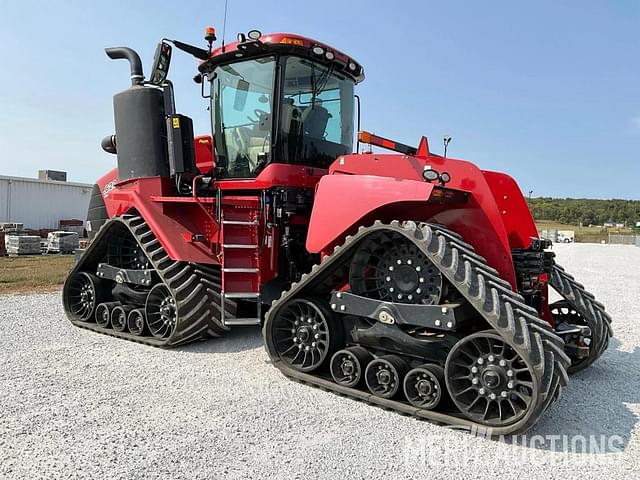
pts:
[74, 404]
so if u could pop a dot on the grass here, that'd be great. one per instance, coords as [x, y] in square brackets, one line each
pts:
[38, 273]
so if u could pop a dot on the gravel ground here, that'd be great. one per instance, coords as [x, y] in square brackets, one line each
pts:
[74, 404]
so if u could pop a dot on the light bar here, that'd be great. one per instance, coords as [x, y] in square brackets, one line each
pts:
[376, 141]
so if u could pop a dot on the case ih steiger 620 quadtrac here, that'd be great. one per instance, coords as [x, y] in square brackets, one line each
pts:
[409, 280]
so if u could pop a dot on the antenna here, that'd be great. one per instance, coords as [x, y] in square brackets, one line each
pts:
[224, 24]
[446, 141]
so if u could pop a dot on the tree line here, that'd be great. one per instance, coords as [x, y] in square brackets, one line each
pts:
[575, 211]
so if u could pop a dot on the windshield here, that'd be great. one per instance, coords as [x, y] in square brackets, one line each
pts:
[242, 98]
[317, 114]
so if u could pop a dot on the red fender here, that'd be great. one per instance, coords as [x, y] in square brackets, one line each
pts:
[343, 201]
[400, 193]
[516, 215]
[173, 229]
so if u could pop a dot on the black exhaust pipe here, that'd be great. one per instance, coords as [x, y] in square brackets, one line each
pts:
[116, 53]
[141, 131]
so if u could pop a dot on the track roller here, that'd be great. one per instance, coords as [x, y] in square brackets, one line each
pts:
[423, 386]
[384, 375]
[103, 313]
[135, 322]
[119, 317]
[347, 366]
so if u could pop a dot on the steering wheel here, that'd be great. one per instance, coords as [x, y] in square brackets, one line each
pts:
[259, 113]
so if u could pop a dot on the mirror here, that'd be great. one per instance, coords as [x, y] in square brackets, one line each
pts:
[240, 100]
[161, 61]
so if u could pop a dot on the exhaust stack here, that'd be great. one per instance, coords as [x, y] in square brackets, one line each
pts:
[140, 124]
[125, 53]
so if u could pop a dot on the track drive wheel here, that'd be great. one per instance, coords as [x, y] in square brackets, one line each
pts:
[489, 382]
[391, 268]
[304, 334]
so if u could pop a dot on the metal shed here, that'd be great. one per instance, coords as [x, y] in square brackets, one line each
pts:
[42, 203]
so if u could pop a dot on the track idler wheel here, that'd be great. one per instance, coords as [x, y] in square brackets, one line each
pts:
[347, 366]
[424, 386]
[304, 334]
[384, 375]
[119, 317]
[103, 313]
[161, 312]
[135, 322]
[85, 292]
[488, 381]
[565, 315]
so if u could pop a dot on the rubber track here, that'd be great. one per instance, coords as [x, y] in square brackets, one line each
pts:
[592, 312]
[195, 287]
[504, 310]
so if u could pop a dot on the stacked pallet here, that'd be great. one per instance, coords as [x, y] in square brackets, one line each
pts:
[62, 242]
[72, 225]
[3, 250]
[11, 228]
[23, 245]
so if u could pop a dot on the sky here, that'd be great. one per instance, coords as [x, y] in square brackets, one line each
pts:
[547, 91]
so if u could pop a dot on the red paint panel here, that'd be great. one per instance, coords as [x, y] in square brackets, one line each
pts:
[203, 147]
[274, 175]
[516, 215]
[342, 201]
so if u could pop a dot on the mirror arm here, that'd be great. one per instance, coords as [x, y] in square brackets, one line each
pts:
[199, 53]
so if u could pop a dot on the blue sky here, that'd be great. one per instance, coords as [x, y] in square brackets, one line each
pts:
[548, 91]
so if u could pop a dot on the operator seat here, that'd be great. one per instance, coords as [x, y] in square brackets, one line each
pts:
[314, 121]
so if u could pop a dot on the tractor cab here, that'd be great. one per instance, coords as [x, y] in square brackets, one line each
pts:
[279, 98]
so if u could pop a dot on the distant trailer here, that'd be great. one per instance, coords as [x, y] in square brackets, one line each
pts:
[559, 236]
[566, 236]
[41, 204]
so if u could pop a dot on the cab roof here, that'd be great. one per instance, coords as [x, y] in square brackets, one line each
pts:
[285, 43]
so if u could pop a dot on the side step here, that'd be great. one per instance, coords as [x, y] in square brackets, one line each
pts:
[239, 222]
[234, 321]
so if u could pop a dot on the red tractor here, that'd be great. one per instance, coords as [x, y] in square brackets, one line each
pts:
[409, 280]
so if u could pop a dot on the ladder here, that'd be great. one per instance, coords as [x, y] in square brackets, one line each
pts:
[239, 219]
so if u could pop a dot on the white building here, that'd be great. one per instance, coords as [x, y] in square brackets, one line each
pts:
[42, 203]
